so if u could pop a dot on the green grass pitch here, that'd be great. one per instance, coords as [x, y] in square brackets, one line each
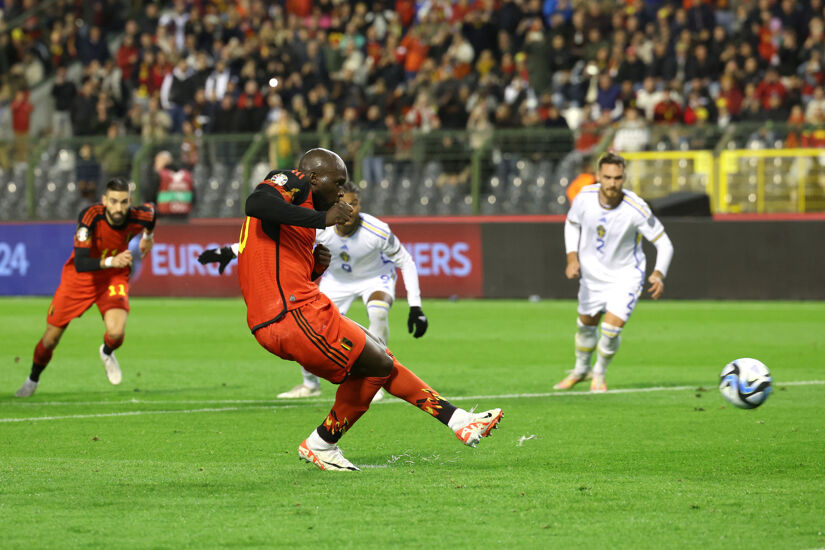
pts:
[194, 451]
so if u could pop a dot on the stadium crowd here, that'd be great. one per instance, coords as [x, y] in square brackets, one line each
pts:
[337, 66]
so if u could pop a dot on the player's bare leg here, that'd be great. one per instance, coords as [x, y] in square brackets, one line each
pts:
[586, 338]
[374, 368]
[607, 347]
[42, 355]
[115, 321]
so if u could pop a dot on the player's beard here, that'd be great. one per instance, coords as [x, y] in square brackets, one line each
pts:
[320, 203]
[117, 218]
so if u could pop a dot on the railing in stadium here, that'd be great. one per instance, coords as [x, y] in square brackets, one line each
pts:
[518, 171]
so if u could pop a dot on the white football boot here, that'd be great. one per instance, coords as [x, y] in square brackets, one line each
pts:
[112, 367]
[299, 391]
[330, 459]
[27, 389]
[478, 425]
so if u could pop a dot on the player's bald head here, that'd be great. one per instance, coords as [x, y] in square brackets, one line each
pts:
[321, 160]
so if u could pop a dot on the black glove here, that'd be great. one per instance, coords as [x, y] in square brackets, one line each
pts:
[223, 255]
[418, 321]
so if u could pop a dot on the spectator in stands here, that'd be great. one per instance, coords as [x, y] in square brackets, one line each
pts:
[731, 94]
[632, 68]
[632, 133]
[282, 133]
[815, 106]
[224, 119]
[537, 46]
[608, 95]
[345, 137]
[177, 91]
[770, 87]
[127, 56]
[83, 108]
[103, 115]
[93, 47]
[751, 109]
[87, 173]
[21, 112]
[648, 97]
[667, 111]
[63, 92]
[422, 116]
[113, 154]
[218, 81]
[155, 123]
[372, 166]
[700, 65]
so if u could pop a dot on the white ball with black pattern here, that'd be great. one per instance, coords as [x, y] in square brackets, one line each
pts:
[745, 383]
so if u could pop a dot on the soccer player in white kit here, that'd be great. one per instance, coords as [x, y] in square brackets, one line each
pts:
[602, 237]
[365, 256]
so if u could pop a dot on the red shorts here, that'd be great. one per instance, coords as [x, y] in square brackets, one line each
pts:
[317, 337]
[77, 293]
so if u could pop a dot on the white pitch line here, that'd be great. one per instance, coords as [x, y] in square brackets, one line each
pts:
[128, 413]
[282, 403]
[264, 404]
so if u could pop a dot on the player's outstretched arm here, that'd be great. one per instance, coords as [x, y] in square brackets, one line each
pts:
[267, 204]
[222, 256]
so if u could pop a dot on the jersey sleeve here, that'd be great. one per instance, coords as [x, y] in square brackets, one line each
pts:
[572, 227]
[144, 215]
[650, 227]
[86, 222]
[291, 184]
[399, 256]
[574, 214]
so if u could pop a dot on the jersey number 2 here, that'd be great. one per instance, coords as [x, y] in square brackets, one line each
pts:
[244, 235]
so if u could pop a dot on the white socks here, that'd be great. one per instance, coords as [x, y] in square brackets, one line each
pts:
[310, 380]
[316, 443]
[608, 346]
[585, 345]
[378, 312]
[459, 418]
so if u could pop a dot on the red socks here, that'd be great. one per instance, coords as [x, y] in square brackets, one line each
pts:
[355, 395]
[110, 344]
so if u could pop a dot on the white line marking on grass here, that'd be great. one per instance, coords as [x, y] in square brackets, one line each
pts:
[281, 403]
[128, 413]
[274, 405]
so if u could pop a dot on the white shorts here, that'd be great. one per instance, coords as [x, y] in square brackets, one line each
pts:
[342, 293]
[619, 298]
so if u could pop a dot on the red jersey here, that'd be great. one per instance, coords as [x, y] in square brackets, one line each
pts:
[275, 260]
[104, 240]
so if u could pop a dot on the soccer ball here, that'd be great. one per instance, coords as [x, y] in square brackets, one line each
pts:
[745, 383]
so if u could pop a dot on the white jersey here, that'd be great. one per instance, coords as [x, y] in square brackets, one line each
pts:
[609, 244]
[371, 251]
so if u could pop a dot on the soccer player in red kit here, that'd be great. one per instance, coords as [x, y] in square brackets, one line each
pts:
[292, 319]
[97, 272]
